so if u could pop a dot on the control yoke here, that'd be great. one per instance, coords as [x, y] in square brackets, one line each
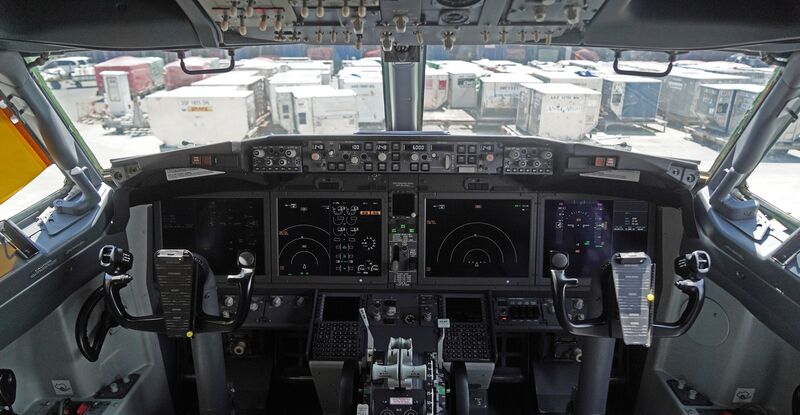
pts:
[628, 297]
[180, 277]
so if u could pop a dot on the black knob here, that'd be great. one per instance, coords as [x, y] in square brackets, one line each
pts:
[246, 259]
[559, 261]
[8, 388]
[115, 261]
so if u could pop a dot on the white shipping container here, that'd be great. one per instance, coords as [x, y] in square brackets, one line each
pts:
[284, 103]
[558, 111]
[326, 112]
[249, 80]
[291, 78]
[462, 88]
[369, 90]
[568, 77]
[201, 115]
[436, 81]
[265, 68]
[499, 94]
[325, 67]
[117, 92]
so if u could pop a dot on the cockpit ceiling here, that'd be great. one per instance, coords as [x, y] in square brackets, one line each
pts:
[674, 25]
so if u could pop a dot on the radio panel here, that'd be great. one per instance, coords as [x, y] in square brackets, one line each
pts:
[276, 159]
[528, 161]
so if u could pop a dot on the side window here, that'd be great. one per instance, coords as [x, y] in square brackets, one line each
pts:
[28, 175]
[776, 180]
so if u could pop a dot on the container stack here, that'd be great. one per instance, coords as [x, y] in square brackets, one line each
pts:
[499, 94]
[140, 73]
[368, 86]
[436, 87]
[290, 78]
[723, 106]
[331, 111]
[681, 91]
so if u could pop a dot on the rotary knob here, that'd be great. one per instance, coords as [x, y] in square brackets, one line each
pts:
[547, 155]
[315, 156]
[414, 157]
[228, 301]
[381, 156]
[277, 301]
[291, 153]
[354, 160]
[259, 153]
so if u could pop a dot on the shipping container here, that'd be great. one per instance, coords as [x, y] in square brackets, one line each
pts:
[175, 77]
[567, 75]
[494, 65]
[499, 94]
[249, 80]
[462, 86]
[326, 112]
[681, 90]
[558, 111]
[284, 103]
[631, 98]
[156, 69]
[325, 67]
[368, 87]
[759, 76]
[290, 78]
[722, 106]
[117, 94]
[265, 67]
[361, 63]
[201, 115]
[436, 81]
[140, 76]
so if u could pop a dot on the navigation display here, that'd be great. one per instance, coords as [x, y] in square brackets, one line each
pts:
[591, 231]
[329, 237]
[217, 229]
[477, 238]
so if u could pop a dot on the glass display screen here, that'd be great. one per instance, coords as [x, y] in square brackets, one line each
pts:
[478, 238]
[591, 231]
[329, 237]
[217, 229]
[341, 309]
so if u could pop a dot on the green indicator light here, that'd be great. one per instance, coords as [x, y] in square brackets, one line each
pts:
[402, 226]
[411, 230]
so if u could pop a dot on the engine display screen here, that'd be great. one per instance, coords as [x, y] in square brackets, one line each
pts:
[591, 231]
[477, 238]
[329, 237]
[217, 229]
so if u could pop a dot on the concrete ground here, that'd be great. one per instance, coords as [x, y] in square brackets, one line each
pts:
[776, 180]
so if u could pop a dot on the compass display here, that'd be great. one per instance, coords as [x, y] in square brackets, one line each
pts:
[591, 231]
[329, 237]
[477, 238]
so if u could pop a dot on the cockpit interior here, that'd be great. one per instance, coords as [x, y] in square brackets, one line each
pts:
[412, 268]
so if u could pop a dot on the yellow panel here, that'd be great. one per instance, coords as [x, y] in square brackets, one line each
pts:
[21, 158]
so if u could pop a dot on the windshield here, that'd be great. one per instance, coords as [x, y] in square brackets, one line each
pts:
[126, 104]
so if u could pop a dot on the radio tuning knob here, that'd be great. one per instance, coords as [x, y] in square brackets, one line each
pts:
[259, 153]
[291, 152]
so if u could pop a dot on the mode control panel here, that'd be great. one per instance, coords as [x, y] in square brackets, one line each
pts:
[276, 159]
[403, 157]
[528, 161]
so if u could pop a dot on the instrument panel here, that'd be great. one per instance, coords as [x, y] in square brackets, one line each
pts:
[406, 239]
